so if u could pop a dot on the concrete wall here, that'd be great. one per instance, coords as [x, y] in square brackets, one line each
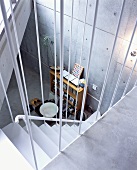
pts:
[22, 13]
[107, 21]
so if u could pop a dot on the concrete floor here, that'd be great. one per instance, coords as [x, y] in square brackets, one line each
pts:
[110, 144]
[33, 87]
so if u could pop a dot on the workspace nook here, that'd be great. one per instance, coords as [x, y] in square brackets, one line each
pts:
[72, 94]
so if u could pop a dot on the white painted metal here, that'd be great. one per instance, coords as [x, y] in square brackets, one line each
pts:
[43, 141]
[21, 23]
[20, 139]
[18, 117]
[61, 64]
[38, 46]
[55, 53]
[17, 73]
[70, 131]
[65, 135]
[20, 58]
[130, 76]
[70, 50]
[53, 135]
[2, 83]
[88, 64]
[110, 59]
[10, 157]
[122, 67]
[81, 54]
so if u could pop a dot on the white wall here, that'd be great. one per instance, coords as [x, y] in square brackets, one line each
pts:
[22, 13]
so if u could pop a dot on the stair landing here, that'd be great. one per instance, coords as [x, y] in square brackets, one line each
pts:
[110, 144]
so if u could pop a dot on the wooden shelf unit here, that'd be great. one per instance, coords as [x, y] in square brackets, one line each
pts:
[71, 87]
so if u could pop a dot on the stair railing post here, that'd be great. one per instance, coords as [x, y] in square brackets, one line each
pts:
[109, 62]
[55, 53]
[88, 63]
[122, 67]
[17, 73]
[2, 83]
[70, 51]
[20, 58]
[61, 64]
[81, 54]
[38, 46]
[130, 76]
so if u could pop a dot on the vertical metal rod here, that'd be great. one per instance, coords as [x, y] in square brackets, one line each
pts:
[38, 46]
[61, 64]
[88, 63]
[129, 78]
[20, 58]
[70, 51]
[15, 65]
[122, 67]
[109, 62]
[55, 53]
[81, 56]
[2, 83]
[135, 83]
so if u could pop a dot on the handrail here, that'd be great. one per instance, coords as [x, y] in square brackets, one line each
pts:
[18, 117]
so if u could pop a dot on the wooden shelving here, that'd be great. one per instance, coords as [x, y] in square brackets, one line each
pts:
[72, 92]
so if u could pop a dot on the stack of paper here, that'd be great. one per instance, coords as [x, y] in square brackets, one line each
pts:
[65, 73]
[70, 77]
[75, 81]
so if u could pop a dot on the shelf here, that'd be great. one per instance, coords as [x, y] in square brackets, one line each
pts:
[64, 98]
[72, 88]
[71, 85]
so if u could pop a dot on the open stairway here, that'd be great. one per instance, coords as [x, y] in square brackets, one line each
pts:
[110, 144]
[46, 141]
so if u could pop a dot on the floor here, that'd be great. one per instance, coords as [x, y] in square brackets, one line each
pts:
[33, 87]
[110, 144]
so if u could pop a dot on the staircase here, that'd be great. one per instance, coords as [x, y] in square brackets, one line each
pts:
[108, 144]
[46, 142]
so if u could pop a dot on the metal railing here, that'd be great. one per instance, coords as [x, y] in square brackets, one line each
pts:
[24, 96]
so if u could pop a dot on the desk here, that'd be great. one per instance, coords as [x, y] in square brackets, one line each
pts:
[72, 92]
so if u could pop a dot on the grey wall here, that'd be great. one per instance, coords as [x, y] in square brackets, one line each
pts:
[107, 20]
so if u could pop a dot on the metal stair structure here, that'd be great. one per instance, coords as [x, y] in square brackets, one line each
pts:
[117, 125]
[46, 141]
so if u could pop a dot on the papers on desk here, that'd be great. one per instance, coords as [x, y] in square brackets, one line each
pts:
[65, 73]
[75, 81]
[70, 77]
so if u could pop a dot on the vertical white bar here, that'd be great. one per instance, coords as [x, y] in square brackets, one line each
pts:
[88, 63]
[15, 65]
[110, 59]
[38, 45]
[130, 76]
[81, 55]
[20, 58]
[55, 52]
[2, 83]
[122, 67]
[61, 64]
[70, 50]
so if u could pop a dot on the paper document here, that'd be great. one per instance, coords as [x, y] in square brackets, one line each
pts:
[65, 73]
[75, 81]
[70, 77]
